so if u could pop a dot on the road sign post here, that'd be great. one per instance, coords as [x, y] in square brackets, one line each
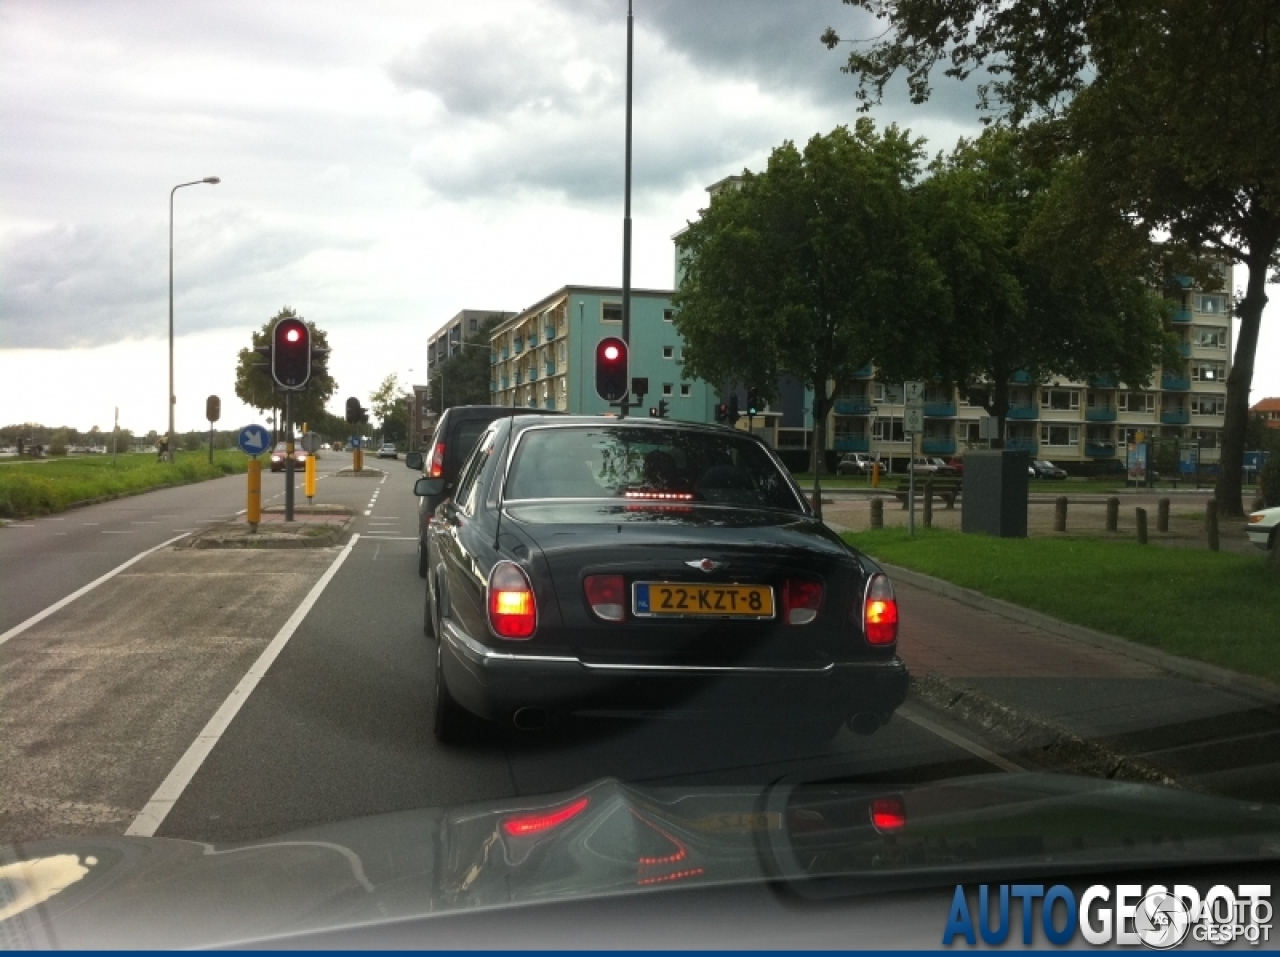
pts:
[253, 441]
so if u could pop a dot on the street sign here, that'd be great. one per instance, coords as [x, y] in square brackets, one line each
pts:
[355, 441]
[254, 440]
[310, 442]
[915, 394]
[913, 419]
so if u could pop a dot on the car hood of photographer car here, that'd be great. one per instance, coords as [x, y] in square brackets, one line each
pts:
[819, 843]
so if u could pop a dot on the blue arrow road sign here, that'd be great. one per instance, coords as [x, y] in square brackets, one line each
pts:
[254, 440]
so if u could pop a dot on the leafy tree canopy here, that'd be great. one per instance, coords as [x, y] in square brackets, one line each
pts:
[257, 389]
[463, 378]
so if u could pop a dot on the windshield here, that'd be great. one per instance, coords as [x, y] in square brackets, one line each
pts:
[647, 464]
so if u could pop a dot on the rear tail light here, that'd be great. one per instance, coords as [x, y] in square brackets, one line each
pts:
[437, 461]
[888, 814]
[800, 601]
[1256, 518]
[526, 825]
[880, 612]
[606, 594]
[513, 611]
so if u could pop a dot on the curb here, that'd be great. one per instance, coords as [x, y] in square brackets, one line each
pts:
[1052, 743]
[1259, 690]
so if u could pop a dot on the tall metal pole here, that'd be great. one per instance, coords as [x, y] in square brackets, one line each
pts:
[626, 222]
[213, 181]
[288, 457]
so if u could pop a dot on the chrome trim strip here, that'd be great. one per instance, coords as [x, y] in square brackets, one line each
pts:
[467, 646]
[713, 669]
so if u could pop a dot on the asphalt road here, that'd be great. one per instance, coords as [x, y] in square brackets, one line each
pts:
[109, 700]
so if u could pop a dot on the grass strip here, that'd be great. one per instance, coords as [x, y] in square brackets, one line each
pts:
[1212, 606]
[42, 488]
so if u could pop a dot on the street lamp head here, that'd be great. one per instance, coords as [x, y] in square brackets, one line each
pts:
[211, 179]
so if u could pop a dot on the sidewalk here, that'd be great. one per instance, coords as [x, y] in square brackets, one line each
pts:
[1116, 709]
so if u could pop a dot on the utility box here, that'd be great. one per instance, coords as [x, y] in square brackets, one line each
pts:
[994, 493]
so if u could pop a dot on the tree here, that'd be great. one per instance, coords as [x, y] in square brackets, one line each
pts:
[1170, 105]
[464, 377]
[257, 389]
[1027, 288]
[804, 269]
[389, 402]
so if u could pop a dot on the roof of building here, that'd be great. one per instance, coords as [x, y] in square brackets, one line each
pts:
[1266, 405]
[547, 300]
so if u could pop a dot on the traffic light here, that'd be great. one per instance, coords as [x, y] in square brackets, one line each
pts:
[611, 369]
[213, 408]
[753, 401]
[291, 353]
[662, 408]
[653, 411]
[640, 386]
[734, 414]
[353, 410]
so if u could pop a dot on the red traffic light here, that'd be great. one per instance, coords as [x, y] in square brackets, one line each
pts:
[611, 369]
[291, 353]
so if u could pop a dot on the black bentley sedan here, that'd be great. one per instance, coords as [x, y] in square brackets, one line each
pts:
[599, 567]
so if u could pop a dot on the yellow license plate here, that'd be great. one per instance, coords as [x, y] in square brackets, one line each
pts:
[658, 599]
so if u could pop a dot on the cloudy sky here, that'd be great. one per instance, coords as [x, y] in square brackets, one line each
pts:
[383, 165]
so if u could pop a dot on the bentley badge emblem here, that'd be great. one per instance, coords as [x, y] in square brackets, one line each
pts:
[705, 564]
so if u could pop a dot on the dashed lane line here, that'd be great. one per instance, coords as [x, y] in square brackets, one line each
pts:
[170, 790]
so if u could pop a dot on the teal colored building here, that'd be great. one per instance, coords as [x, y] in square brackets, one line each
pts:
[544, 356]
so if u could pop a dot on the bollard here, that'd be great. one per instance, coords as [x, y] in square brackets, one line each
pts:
[928, 503]
[358, 460]
[1141, 515]
[875, 474]
[1060, 514]
[254, 511]
[1162, 515]
[1113, 514]
[877, 513]
[1211, 523]
[309, 478]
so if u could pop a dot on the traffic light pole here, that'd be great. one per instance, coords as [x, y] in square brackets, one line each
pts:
[626, 220]
[288, 456]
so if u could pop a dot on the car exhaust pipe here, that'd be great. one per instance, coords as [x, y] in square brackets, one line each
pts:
[864, 723]
[529, 719]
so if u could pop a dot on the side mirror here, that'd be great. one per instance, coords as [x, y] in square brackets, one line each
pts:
[413, 460]
[428, 486]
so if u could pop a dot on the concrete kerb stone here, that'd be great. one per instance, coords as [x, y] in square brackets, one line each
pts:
[277, 534]
[363, 473]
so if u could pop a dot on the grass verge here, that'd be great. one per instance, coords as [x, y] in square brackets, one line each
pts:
[1212, 606]
[40, 488]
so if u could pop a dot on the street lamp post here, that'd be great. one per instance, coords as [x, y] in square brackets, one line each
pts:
[212, 180]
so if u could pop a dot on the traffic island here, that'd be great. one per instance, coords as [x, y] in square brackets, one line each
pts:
[314, 526]
[363, 473]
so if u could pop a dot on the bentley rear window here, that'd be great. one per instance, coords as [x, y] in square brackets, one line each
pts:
[643, 464]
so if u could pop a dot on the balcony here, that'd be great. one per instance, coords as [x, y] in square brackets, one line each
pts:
[504, 382]
[551, 367]
[1100, 450]
[1182, 315]
[533, 373]
[1021, 445]
[549, 331]
[848, 442]
[855, 406]
[940, 410]
[945, 446]
[506, 353]
[1184, 349]
[865, 372]
[1100, 413]
[1021, 378]
[1175, 383]
[1104, 381]
[519, 346]
[1175, 417]
[533, 340]
[1186, 282]
[519, 378]
[1023, 411]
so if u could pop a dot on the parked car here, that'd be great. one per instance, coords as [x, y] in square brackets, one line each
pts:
[933, 466]
[388, 450]
[279, 455]
[456, 432]
[1264, 528]
[1044, 469]
[857, 463]
[956, 463]
[600, 567]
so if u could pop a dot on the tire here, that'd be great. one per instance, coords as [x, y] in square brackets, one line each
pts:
[429, 615]
[452, 723]
[422, 558]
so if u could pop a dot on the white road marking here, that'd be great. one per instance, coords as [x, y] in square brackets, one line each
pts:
[959, 740]
[16, 525]
[382, 537]
[57, 605]
[368, 511]
[90, 523]
[55, 519]
[166, 795]
[106, 531]
[188, 530]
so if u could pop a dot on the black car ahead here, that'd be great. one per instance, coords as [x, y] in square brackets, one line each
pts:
[605, 568]
[454, 438]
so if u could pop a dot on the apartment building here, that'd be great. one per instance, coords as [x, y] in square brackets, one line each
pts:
[544, 356]
[1069, 422]
[447, 340]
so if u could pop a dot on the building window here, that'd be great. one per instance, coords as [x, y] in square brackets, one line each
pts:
[668, 352]
[1137, 402]
[668, 315]
[685, 390]
[888, 429]
[1060, 400]
[667, 388]
[474, 325]
[1208, 438]
[888, 394]
[1208, 405]
[1207, 338]
[1212, 304]
[610, 312]
[1060, 435]
[1130, 436]
[1208, 371]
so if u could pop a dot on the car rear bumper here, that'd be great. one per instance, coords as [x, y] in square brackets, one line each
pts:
[495, 684]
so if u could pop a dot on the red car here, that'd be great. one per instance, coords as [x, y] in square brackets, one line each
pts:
[278, 457]
[957, 463]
